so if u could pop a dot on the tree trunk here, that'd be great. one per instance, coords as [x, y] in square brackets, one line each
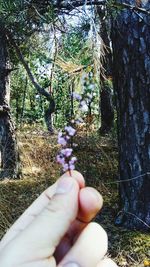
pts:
[24, 100]
[8, 146]
[106, 88]
[106, 108]
[48, 116]
[131, 51]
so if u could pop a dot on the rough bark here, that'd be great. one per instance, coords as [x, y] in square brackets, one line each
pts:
[106, 89]
[131, 51]
[8, 145]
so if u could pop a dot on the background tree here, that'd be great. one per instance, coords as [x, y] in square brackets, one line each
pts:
[106, 86]
[20, 28]
[8, 147]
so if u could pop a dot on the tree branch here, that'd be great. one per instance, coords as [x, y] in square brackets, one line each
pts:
[74, 4]
[41, 90]
[131, 7]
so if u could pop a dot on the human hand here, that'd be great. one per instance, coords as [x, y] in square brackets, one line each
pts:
[56, 230]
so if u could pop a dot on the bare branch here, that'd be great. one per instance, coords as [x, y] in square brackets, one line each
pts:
[41, 90]
[131, 7]
[74, 4]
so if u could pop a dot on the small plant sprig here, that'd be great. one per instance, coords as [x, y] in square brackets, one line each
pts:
[65, 156]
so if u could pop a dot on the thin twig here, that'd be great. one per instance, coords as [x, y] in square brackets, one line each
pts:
[132, 214]
[130, 179]
[70, 6]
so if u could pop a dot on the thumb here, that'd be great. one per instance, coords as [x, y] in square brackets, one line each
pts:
[43, 235]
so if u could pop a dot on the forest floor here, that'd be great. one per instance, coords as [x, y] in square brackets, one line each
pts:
[97, 161]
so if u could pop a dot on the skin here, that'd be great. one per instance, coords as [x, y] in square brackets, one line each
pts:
[56, 230]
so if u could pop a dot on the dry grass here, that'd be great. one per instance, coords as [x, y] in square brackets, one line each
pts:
[97, 160]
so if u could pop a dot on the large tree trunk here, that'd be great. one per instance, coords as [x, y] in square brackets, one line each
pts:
[131, 51]
[8, 146]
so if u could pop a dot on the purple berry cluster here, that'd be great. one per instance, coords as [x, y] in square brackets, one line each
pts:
[65, 157]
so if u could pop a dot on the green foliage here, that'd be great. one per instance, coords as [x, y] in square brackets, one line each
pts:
[31, 25]
[11, 7]
[76, 48]
[74, 52]
[25, 106]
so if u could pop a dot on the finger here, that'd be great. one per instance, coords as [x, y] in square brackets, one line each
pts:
[37, 206]
[107, 263]
[76, 175]
[90, 202]
[93, 240]
[42, 236]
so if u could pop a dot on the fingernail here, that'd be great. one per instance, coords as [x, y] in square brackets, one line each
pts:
[64, 185]
[94, 194]
[98, 197]
[71, 264]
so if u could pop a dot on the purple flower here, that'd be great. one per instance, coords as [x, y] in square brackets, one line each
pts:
[71, 167]
[83, 106]
[66, 152]
[73, 160]
[67, 137]
[72, 163]
[65, 167]
[60, 159]
[70, 130]
[76, 96]
[62, 141]
[60, 134]
[65, 155]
